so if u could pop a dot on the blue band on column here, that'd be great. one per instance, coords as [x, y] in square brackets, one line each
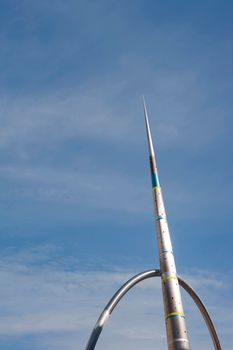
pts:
[155, 179]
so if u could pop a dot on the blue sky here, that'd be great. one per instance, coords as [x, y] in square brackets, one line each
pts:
[75, 198]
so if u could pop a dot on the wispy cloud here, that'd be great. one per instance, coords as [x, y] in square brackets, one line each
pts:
[42, 299]
[41, 136]
[58, 117]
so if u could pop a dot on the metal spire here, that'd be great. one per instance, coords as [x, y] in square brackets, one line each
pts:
[177, 337]
[150, 143]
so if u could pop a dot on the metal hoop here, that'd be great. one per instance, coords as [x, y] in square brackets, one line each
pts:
[131, 283]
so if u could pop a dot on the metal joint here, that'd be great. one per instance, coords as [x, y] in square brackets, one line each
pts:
[130, 284]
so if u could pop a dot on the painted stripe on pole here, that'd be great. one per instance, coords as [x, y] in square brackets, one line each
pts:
[168, 278]
[155, 187]
[155, 179]
[174, 314]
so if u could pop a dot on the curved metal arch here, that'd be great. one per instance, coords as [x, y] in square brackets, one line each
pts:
[203, 311]
[131, 283]
[113, 303]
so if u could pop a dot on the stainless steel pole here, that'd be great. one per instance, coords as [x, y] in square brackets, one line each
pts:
[177, 336]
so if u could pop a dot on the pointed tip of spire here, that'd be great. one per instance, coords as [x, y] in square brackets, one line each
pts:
[144, 106]
[143, 99]
[150, 143]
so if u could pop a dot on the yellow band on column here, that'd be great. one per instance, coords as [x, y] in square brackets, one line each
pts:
[168, 278]
[173, 314]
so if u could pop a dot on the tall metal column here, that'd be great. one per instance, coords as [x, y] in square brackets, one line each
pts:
[177, 336]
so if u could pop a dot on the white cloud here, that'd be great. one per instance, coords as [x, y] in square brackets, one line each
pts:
[51, 304]
[60, 116]
[107, 113]
[77, 188]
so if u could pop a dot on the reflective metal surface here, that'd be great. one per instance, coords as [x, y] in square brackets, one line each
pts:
[203, 311]
[127, 286]
[177, 335]
[113, 303]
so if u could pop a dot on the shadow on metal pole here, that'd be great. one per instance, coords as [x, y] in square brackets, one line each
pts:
[131, 283]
